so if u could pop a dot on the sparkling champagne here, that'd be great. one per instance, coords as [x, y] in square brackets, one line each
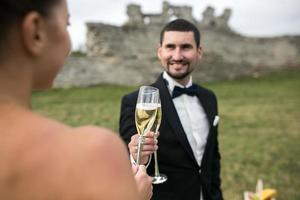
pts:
[145, 114]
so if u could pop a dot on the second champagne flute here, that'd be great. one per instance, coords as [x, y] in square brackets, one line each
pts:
[158, 178]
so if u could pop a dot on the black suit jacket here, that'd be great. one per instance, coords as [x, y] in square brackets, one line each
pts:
[175, 156]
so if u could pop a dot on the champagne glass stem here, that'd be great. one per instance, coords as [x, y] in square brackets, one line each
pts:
[156, 170]
[158, 178]
[140, 147]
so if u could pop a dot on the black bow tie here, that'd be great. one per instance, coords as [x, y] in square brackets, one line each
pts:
[191, 91]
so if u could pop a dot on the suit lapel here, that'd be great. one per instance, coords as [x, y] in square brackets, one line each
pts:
[173, 120]
[207, 106]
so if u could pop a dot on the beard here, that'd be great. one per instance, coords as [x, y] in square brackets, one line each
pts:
[183, 75]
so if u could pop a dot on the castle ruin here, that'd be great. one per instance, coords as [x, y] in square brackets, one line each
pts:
[127, 54]
[169, 12]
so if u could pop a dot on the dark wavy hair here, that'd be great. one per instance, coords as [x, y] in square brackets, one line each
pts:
[12, 11]
[181, 25]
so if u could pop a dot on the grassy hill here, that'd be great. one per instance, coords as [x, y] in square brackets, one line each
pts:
[259, 127]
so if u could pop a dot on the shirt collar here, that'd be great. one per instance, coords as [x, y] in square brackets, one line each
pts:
[172, 83]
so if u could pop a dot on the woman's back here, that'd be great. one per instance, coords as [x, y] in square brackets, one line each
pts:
[44, 159]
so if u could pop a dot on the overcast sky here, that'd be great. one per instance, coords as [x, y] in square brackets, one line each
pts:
[249, 17]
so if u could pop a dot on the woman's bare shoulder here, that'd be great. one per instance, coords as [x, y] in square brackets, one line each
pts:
[96, 137]
[103, 145]
[102, 160]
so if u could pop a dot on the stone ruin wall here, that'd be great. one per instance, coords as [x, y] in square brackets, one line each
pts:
[126, 55]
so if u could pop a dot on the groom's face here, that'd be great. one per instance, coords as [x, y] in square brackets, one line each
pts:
[179, 53]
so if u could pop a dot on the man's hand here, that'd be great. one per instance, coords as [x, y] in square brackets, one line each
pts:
[150, 145]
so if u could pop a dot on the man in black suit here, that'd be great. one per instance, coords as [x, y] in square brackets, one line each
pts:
[188, 146]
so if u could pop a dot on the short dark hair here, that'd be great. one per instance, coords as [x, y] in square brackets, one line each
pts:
[11, 11]
[181, 25]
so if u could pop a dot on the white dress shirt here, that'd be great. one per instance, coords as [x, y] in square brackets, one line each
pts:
[192, 117]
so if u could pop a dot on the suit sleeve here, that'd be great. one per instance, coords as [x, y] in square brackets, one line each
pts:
[126, 123]
[216, 176]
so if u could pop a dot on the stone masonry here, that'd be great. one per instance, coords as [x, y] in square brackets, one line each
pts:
[126, 55]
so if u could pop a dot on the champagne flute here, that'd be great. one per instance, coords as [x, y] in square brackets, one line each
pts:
[158, 178]
[145, 114]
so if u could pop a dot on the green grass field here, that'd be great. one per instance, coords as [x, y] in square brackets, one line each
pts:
[259, 128]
